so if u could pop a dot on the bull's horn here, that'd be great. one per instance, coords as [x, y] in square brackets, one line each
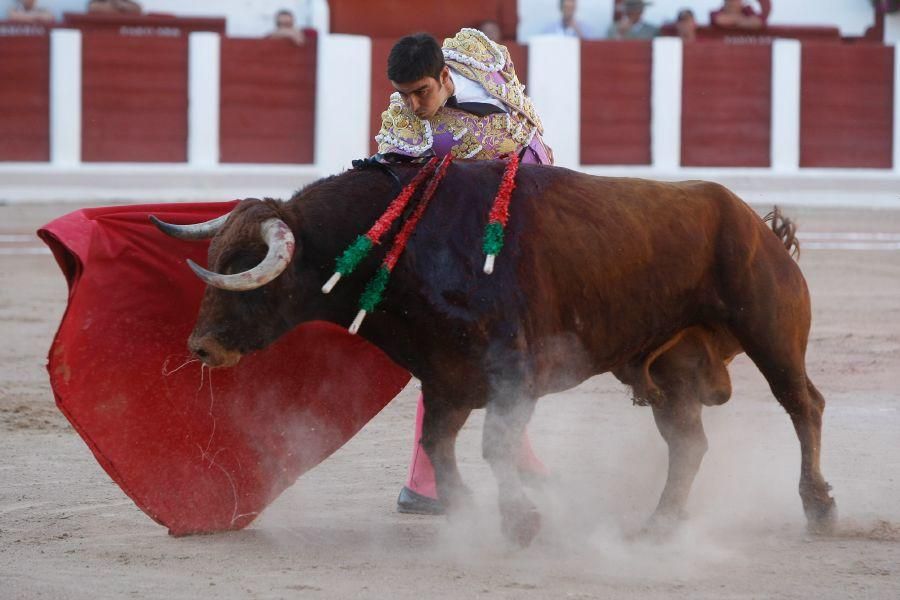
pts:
[199, 231]
[279, 238]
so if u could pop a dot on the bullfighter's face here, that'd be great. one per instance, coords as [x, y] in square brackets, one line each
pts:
[427, 95]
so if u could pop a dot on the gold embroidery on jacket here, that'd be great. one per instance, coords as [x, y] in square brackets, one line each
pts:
[477, 58]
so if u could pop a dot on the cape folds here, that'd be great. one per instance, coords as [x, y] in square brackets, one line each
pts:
[198, 451]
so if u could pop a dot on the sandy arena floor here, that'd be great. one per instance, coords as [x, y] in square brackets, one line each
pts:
[66, 531]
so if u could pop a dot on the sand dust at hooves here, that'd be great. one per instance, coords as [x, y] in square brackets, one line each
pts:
[878, 531]
[66, 531]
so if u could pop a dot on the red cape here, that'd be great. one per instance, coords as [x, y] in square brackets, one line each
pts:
[198, 451]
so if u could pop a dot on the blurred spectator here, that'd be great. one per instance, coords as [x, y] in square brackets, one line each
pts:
[736, 14]
[285, 28]
[631, 25]
[491, 29]
[686, 25]
[26, 11]
[126, 7]
[567, 25]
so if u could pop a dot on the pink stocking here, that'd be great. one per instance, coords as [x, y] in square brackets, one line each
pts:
[421, 473]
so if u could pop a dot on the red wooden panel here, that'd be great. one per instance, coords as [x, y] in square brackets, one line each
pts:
[519, 55]
[509, 20]
[25, 98]
[846, 105]
[145, 25]
[134, 98]
[726, 112]
[396, 18]
[381, 86]
[268, 101]
[615, 102]
[16, 29]
[768, 34]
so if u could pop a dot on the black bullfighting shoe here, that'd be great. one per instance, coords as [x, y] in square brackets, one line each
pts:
[414, 503]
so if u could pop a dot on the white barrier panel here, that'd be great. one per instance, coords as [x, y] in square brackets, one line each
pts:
[554, 85]
[785, 138]
[665, 104]
[204, 55]
[65, 97]
[897, 106]
[892, 29]
[343, 101]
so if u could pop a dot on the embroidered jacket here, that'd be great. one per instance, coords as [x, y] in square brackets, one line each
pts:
[471, 54]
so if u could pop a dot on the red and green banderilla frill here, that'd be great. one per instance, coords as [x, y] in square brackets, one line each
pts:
[499, 215]
[356, 252]
[374, 291]
[359, 249]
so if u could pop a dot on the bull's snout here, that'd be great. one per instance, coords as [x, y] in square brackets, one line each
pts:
[211, 352]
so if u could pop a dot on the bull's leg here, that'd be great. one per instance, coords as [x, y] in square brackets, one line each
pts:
[817, 502]
[440, 426]
[679, 421]
[778, 348]
[770, 318]
[504, 425]
[805, 405]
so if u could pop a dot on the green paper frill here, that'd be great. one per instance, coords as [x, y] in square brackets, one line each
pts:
[374, 290]
[493, 238]
[353, 255]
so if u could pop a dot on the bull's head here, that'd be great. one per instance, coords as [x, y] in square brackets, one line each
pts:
[250, 247]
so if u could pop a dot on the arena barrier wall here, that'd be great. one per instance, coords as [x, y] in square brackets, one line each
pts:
[395, 18]
[25, 104]
[615, 102]
[134, 98]
[381, 87]
[726, 110]
[847, 107]
[267, 101]
[201, 112]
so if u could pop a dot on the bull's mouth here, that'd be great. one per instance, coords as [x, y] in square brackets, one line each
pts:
[229, 359]
[212, 354]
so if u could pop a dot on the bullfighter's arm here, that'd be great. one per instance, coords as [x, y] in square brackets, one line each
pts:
[402, 132]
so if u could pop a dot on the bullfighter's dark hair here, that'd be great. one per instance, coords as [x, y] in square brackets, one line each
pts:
[414, 57]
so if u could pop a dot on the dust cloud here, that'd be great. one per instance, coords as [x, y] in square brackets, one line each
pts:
[66, 531]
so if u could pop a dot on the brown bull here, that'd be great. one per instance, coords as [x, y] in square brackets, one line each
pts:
[660, 283]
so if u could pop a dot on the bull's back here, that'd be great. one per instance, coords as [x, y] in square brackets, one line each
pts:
[617, 265]
[594, 270]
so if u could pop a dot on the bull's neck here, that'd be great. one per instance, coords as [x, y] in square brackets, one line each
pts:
[332, 215]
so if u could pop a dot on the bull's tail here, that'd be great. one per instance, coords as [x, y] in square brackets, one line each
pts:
[785, 230]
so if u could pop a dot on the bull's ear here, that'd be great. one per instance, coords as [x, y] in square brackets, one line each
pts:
[198, 231]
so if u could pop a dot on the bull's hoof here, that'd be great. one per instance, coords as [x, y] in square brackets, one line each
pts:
[458, 500]
[663, 524]
[821, 517]
[521, 527]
